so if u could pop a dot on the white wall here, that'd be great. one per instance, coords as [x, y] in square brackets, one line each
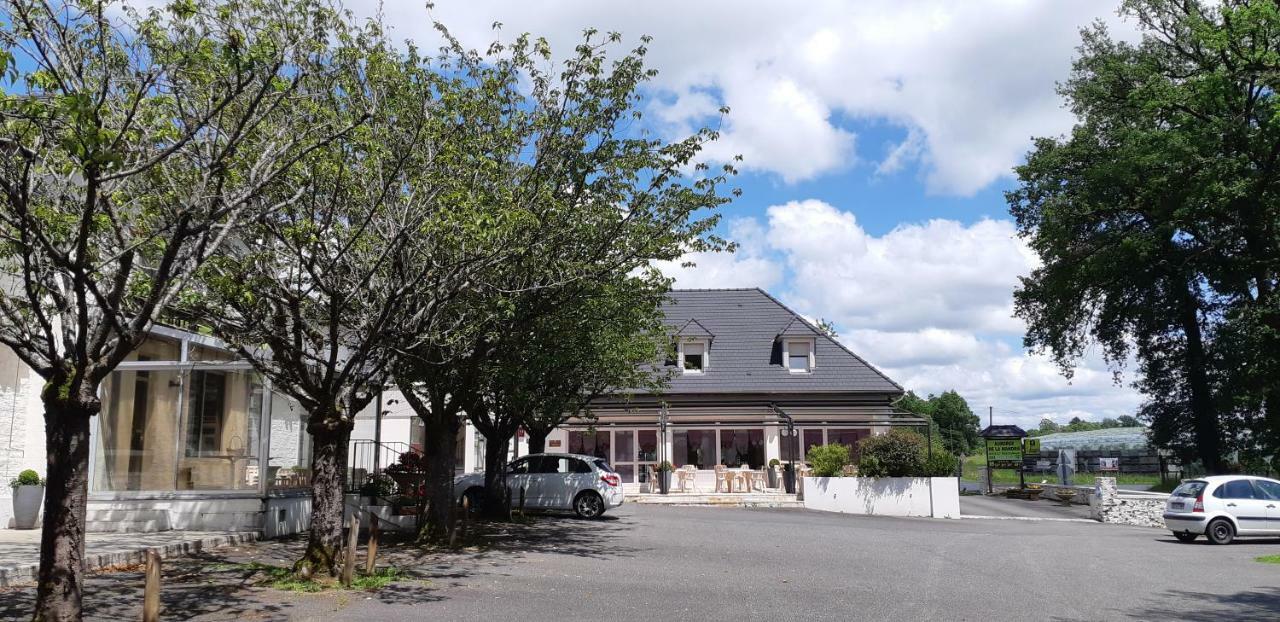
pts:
[21, 426]
[938, 497]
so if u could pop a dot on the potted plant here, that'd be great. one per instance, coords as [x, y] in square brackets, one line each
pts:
[407, 471]
[664, 476]
[28, 493]
[774, 466]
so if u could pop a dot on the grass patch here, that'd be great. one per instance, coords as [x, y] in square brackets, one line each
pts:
[1269, 559]
[973, 465]
[282, 578]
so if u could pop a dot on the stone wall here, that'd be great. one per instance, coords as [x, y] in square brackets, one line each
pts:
[1110, 505]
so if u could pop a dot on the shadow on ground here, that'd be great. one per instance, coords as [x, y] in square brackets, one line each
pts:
[1256, 605]
[228, 583]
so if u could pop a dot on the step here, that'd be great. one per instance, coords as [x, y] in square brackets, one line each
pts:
[127, 526]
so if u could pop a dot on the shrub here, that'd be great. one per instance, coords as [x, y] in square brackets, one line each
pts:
[773, 462]
[942, 464]
[381, 486]
[27, 478]
[897, 454]
[828, 460]
[665, 467]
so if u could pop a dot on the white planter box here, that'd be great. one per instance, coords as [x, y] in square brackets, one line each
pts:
[937, 497]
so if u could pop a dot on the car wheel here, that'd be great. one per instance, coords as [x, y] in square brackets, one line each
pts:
[1220, 531]
[588, 505]
[1186, 537]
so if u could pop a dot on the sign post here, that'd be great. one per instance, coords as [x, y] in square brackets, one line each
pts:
[1004, 450]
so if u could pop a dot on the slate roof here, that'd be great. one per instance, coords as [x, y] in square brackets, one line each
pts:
[746, 354]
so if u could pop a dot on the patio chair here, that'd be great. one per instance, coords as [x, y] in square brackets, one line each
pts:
[756, 481]
[688, 475]
[722, 478]
[651, 475]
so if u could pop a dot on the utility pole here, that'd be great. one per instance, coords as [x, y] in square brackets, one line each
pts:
[991, 413]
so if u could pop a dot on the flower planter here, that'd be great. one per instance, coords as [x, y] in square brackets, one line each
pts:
[664, 482]
[26, 506]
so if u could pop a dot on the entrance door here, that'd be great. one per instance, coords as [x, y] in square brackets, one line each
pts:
[624, 455]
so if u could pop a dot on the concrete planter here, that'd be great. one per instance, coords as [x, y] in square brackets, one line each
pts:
[936, 497]
[26, 506]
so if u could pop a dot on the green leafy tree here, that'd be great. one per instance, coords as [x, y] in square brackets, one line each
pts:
[957, 424]
[586, 199]
[132, 146]
[1154, 220]
[314, 294]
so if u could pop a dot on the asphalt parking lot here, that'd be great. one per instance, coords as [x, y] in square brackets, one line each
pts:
[689, 563]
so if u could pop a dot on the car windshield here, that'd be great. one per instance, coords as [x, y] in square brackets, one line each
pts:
[603, 466]
[1190, 489]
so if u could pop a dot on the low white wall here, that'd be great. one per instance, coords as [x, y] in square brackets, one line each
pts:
[937, 497]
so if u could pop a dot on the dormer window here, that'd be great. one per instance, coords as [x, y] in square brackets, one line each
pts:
[693, 356]
[799, 356]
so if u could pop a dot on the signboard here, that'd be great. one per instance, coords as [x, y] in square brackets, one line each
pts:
[1030, 445]
[554, 442]
[1004, 453]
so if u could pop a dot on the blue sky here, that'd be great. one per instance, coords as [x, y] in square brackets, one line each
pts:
[878, 137]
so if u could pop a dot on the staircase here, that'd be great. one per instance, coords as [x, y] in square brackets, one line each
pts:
[127, 521]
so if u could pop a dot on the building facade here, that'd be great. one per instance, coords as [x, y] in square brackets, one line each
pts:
[750, 381]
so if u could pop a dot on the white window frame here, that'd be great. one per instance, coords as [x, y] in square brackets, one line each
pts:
[706, 355]
[786, 355]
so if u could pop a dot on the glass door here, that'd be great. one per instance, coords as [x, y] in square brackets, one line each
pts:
[624, 455]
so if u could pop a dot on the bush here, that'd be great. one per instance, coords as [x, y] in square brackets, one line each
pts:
[665, 467]
[27, 478]
[942, 464]
[380, 486]
[897, 454]
[828, 460]
[773, 462]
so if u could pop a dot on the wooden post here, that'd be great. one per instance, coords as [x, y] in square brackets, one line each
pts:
[151, 594]
[460, 530]
[522, 489]
[349, 564]
[510, 504]
[371, 550]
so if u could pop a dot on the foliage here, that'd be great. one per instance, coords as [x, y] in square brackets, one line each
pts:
[940, 464]
[1268, 559]
[665, 467]
[1047, 426]
[408, 462]
[954, 424]
[897, 453]
[773, 462]
[827, 328]
[27, 477]
[380, 486]
[1154, 222]
[828, 460]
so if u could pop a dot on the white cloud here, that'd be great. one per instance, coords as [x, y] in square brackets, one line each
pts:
[973, 80]
[930, 304]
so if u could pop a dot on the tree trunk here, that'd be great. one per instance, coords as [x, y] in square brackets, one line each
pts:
[495, 477]
[538, 441]
[1203, 413]
[61, 577]
[438, 453]
[328, 467]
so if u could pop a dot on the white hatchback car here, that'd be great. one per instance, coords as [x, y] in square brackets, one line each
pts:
[1223, 507]
[585, 484]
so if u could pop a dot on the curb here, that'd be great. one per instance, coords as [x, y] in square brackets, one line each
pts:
[1032, 519]
[11, 576]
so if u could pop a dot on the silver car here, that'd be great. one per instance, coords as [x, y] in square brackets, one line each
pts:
[585, 484]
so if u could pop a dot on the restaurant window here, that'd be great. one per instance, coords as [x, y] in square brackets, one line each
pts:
[739, 448]
[696, 447]
[812, 438]
[289, 465]
[223, 411]
[848, 437]
[589, 443]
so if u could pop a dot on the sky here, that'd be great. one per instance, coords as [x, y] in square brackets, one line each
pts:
[878, 138]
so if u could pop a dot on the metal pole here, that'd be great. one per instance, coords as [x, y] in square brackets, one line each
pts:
[987, 451]
[377, 433]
